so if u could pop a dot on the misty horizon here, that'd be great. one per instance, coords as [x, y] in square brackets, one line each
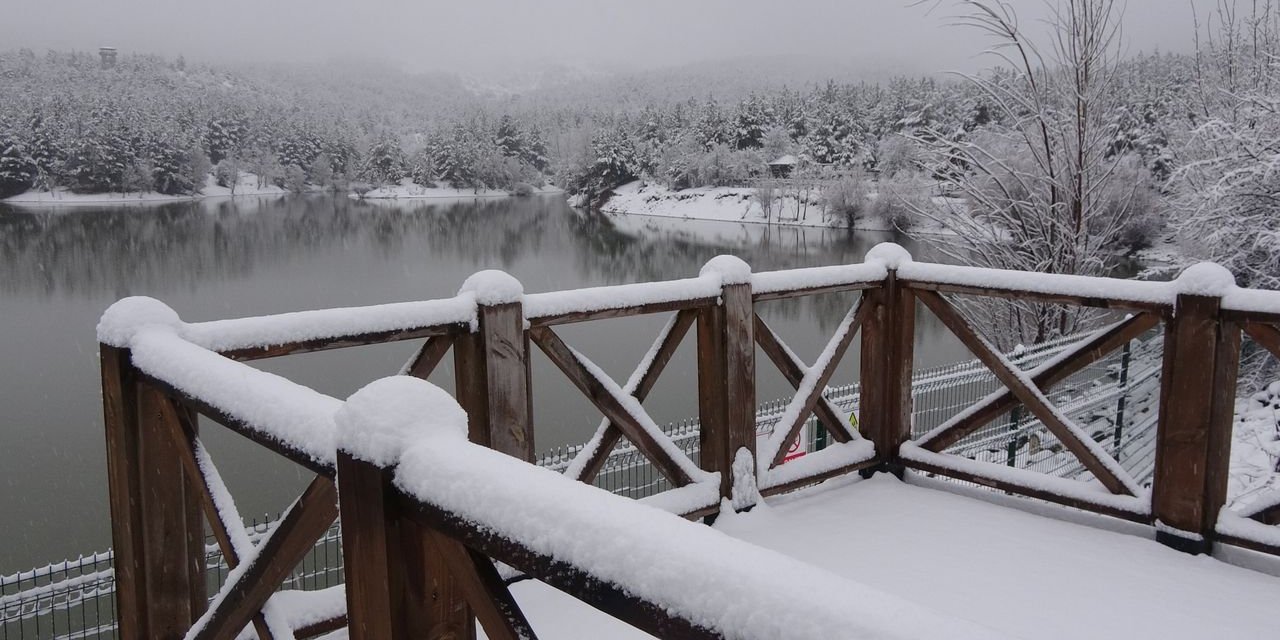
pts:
[499, 39]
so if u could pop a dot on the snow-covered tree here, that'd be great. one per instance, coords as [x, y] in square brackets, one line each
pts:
[384, 162]
[1041, 188]
[17, 168]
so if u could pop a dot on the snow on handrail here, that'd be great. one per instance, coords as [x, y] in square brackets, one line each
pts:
[693, 572]
[788, 280]
[294, 415]
[1090, 493]
[1050, 284]
[322, 324]
[264, 332]
[623, 296]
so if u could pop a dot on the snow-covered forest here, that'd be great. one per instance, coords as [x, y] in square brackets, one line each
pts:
[1170, 147]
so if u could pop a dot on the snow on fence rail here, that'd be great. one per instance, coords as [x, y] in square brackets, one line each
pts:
[60, 601]
[686, 576]
[158, 371]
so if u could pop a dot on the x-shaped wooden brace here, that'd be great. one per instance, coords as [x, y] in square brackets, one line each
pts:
[810, 383]
[623, 415]
[1028, 389]
[256, 571]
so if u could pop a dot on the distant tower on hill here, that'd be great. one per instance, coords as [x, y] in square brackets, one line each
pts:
[108, 56]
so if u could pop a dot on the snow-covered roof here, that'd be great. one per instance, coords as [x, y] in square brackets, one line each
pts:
[784, 160]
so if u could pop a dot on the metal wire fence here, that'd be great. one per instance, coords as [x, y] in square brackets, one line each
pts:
[1114, 399]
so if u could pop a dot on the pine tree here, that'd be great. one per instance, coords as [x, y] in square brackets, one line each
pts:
[17, 169]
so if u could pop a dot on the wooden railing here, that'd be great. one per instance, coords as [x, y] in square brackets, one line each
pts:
[159, 373]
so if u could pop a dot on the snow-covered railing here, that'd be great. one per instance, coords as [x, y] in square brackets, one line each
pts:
[159, 372]
[404, 457]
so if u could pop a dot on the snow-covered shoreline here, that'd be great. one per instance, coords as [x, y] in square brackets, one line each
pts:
[739, 205]
[409, 190]
[247, 186]
[725, 204]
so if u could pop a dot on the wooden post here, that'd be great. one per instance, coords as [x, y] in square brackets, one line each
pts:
[157, 527]
[120, 412]
[888, 344]
[727, 375]
[396, 588]
[492, 376]
[157, 531]
[1193, 439]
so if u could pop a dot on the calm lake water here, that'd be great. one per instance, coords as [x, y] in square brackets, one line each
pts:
[225, 258]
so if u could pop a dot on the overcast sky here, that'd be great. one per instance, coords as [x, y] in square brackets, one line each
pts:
[500, 34]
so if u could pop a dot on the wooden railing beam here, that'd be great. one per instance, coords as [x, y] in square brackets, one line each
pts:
[727, 383]
[1074, 360]
[668, 343]
[888, 343]
[793, 370]
[493, 380]
[1193, 436]
[1031, 397]
[124, 488]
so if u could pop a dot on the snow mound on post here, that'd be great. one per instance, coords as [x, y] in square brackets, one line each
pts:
[1205, 279]
[891, 254]
[380, 420]
[122, 320]
[731, 269]
[492, 286]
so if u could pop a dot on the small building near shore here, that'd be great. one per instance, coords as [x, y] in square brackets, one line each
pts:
[783, 166]
[108, 55]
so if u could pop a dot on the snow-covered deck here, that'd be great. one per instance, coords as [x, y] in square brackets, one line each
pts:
[1020, 574]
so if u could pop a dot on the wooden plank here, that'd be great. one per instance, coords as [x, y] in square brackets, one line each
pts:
[612, 599]
[1075, 359]
[567, 361]
[1193, 436]
[174, 559]
[622, 312]
[1037, 296]
[1270, 515]
[1267, 336]
[239, 426]
[1028, 491]
[1256, 317]
[119, 402]
[185, 434]
[793, 370]
[888, 343]
[340, 342]
[727, 383]
[493, 604]
[1032, 398]
[810, 400]
[668, 342]
[817, 478]
[1252, 545]
[429, 356]
[364, 549]
[320, 628]
[293, 538]
[787, 294]
[493, 383]
[396, 589]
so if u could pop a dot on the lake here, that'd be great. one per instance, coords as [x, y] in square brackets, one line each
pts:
[226, 258]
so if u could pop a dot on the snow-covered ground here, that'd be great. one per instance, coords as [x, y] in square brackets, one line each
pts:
[246, 186]
[726, 204]
[1022, 574]
[407, 189]
[1255, 447]
[740, 204]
